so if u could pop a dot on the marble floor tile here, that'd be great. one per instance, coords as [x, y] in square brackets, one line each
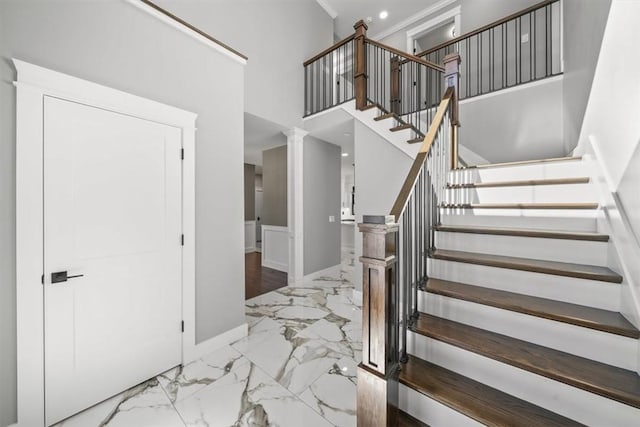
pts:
[247, 397]
[145, 405]
[333, 394]
[296, 367]
[183, 381]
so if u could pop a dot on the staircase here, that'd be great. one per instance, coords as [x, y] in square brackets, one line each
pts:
[519, 321]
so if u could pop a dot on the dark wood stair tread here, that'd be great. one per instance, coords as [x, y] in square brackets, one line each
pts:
[525, 232]
[401, 127]
[406, 420]
[605, 380]
[384, 116]
[588, 317]
[521, 183]
[369, 106]
[591, 272]
[525, 162]
[416, 140]
[521, 206]
[478, 401]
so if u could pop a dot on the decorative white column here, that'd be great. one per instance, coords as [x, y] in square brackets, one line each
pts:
[295, 204]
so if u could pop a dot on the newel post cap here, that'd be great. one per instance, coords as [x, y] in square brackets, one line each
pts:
[359, 25]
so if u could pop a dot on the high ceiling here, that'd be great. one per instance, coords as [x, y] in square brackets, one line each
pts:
[348, 12]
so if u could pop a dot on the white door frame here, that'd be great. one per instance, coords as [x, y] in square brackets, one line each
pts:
[33, 84]
[418, 31]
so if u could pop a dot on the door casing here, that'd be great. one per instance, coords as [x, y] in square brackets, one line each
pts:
[33, 84]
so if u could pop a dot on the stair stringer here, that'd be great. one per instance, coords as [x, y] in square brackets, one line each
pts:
[624, 247]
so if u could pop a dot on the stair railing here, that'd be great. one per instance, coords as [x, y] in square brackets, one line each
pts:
[369, 72]
[520, 48]
[394, 260]
[329, 77]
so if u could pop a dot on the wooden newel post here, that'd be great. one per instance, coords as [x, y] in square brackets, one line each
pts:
[360, 74]
[377, 374]
[452, 79]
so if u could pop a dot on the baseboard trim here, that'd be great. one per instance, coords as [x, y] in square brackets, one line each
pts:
[219, 341]
[250, 250]
[275, 265]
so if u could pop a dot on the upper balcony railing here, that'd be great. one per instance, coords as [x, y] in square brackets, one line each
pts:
[373, 73]
[517, 49]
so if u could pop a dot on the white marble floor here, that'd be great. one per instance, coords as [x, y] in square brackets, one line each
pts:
[296, 367]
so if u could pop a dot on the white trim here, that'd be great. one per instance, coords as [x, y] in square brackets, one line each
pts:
[295, 203]
[219, 341]
[327, 8]
[33, 84]
[251, 226]
[412, 19]
[186, 30]
[425, 27]
[274, 244]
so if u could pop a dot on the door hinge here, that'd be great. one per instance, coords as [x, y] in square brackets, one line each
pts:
[42, 279]
[182, 154]
[182, 240]
[182, 325]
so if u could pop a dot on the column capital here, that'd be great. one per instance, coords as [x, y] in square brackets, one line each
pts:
[295, 133]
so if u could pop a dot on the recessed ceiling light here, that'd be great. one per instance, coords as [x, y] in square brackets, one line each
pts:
[345, 154]
[383, 14]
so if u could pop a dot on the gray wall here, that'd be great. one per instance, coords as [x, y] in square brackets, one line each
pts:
[321, 194]
[380, 171]
[584, 24]
[274, 186]
[115, 44]
[249, 192]
[276, 35]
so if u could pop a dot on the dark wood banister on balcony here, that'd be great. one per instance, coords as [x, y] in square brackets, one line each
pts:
[487, 27]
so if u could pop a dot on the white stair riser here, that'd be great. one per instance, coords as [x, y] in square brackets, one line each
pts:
[483, 217]
[588, 343]
[431, 412]
[566, 193]
[555, 396]
[551, 170]
[563, 250]
[592, 293]
[381, 127]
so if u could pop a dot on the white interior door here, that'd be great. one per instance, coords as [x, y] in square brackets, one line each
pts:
[112, 214]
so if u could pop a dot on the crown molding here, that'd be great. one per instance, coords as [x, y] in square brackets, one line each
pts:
[412, 19]
[327, 8]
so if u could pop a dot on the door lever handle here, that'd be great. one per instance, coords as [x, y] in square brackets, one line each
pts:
[62, 276]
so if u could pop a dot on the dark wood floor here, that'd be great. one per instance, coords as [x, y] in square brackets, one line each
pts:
[258, 279]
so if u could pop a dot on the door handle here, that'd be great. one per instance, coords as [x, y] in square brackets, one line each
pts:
[62, 276]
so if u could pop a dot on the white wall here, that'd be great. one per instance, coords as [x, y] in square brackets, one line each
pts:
[584, 23]
[380, 171]
[117, 45]
[611, 131]
[522, 123]
[276, 35]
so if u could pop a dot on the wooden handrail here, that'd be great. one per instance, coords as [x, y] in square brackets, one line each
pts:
[488, 26]
[406, 55]
[192, 28]
[328, 50]
[412, 176]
